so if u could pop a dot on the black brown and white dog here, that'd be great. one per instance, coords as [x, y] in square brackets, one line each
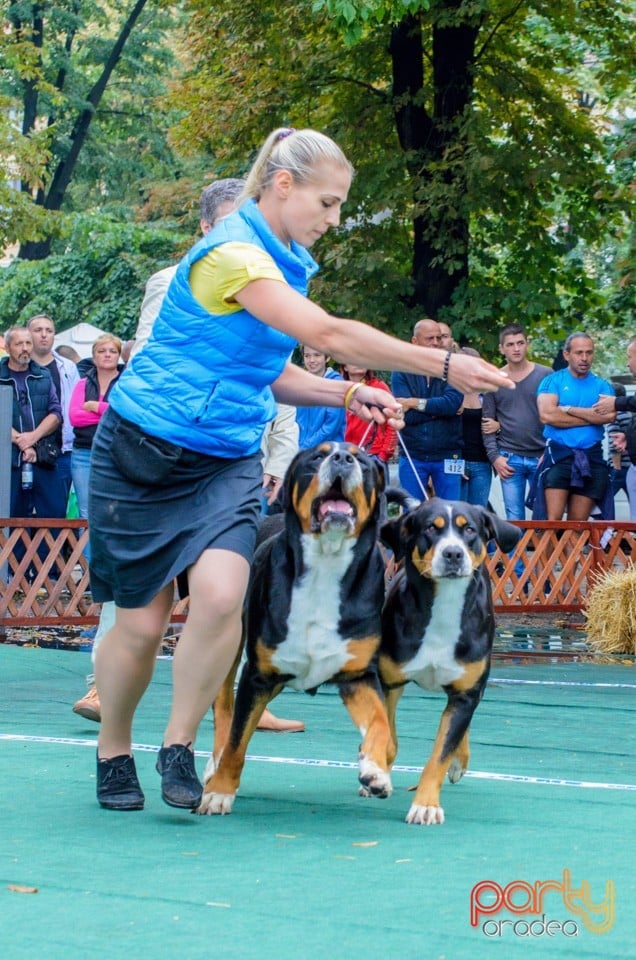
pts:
[438, 628]
[313, 615]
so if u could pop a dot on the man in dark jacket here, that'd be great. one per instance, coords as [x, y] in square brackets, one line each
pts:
[624, 437]
[432, 434]
[36, 414]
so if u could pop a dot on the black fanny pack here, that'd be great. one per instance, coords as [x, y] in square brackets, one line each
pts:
[142, 458]
[47, 451]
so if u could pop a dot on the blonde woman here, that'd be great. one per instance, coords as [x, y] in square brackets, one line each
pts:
[89, 402]
[197, 399]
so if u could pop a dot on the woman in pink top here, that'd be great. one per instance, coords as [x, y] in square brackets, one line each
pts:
[89, 401]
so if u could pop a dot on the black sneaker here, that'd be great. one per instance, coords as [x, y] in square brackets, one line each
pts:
[180, 786]
[117, 784]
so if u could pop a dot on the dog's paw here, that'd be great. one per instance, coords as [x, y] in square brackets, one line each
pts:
[426, 816]
[374, 781]
[456, 771]
[216, 803]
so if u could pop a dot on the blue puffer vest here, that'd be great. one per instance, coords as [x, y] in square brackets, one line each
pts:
[203, 380]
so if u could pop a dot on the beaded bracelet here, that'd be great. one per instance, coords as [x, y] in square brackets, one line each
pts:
[446, 366]
[350, 392]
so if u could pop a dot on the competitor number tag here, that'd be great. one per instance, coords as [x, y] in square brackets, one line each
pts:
[454, 466]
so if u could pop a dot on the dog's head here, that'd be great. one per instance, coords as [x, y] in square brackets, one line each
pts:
[333, 487]
[444, 538]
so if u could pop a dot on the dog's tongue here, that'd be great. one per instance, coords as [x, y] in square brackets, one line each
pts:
[334, 506]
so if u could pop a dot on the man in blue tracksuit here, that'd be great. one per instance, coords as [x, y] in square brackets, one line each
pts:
[573, 474]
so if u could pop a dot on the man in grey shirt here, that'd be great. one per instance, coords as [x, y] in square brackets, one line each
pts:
[515, 446]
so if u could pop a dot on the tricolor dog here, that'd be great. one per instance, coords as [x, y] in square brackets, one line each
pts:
[313, 614]
[438, 627]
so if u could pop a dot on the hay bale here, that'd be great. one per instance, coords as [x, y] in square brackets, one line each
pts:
[610, 612]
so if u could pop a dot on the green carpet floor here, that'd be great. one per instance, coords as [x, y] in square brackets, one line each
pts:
[304, 867]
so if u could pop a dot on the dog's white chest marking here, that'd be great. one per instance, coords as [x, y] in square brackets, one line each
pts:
[313, 651]
[434, 665]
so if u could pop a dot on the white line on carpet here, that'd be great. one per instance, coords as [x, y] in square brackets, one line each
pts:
[343, 764]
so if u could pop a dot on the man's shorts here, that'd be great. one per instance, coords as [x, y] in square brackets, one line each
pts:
[559, 477]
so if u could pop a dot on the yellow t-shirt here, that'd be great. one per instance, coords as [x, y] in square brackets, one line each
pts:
[223, 271]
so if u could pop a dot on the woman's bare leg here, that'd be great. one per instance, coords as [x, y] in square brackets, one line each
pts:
[124, 665]
[209, 640]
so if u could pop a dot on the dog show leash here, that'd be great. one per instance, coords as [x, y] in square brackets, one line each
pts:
[406, 454]
[391, 566]
[412, 465]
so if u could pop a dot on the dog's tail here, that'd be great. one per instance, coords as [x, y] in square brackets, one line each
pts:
[268, 526]
[399, 497]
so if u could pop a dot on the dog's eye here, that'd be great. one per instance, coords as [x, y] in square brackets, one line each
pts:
[469, 529]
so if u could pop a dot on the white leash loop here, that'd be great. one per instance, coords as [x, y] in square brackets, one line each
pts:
[412, 466]
[406, 454]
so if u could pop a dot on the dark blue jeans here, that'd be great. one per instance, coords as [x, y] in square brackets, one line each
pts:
[47, 498]
[446, 485]
[476, 482]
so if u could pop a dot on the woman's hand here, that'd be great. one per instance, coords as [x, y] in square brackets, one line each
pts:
[372, 403]
[488, 425]
[474, 375]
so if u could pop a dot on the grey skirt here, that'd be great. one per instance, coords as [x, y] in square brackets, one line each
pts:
[144, 536]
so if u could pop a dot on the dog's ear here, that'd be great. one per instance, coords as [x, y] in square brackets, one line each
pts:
[377, 474]
[394, 535]
[503, 533]
[390, 535]
[284, 494]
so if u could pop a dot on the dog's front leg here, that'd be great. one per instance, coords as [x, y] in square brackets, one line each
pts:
[451, 754]
[392, 698]
[222, 777]
[223, 708]
[365, 705]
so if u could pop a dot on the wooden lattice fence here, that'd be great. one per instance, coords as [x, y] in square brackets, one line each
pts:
[559, 564]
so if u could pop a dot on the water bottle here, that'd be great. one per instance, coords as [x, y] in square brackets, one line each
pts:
[27, 475]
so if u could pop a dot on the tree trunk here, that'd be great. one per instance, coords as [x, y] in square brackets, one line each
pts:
[434, 146]
[54, 196]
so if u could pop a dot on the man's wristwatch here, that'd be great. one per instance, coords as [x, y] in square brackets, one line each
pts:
[421, 405]
[566, 408]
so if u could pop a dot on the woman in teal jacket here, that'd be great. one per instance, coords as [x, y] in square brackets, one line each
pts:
[175, 470]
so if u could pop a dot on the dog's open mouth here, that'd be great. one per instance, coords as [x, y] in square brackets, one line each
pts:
[332, 508]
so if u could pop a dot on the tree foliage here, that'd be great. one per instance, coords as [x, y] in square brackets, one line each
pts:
[482, 133]
[78, 79]
[494, 162]
[97, 274]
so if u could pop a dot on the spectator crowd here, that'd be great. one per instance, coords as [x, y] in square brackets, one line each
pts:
[561, 443]
[544, 439]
